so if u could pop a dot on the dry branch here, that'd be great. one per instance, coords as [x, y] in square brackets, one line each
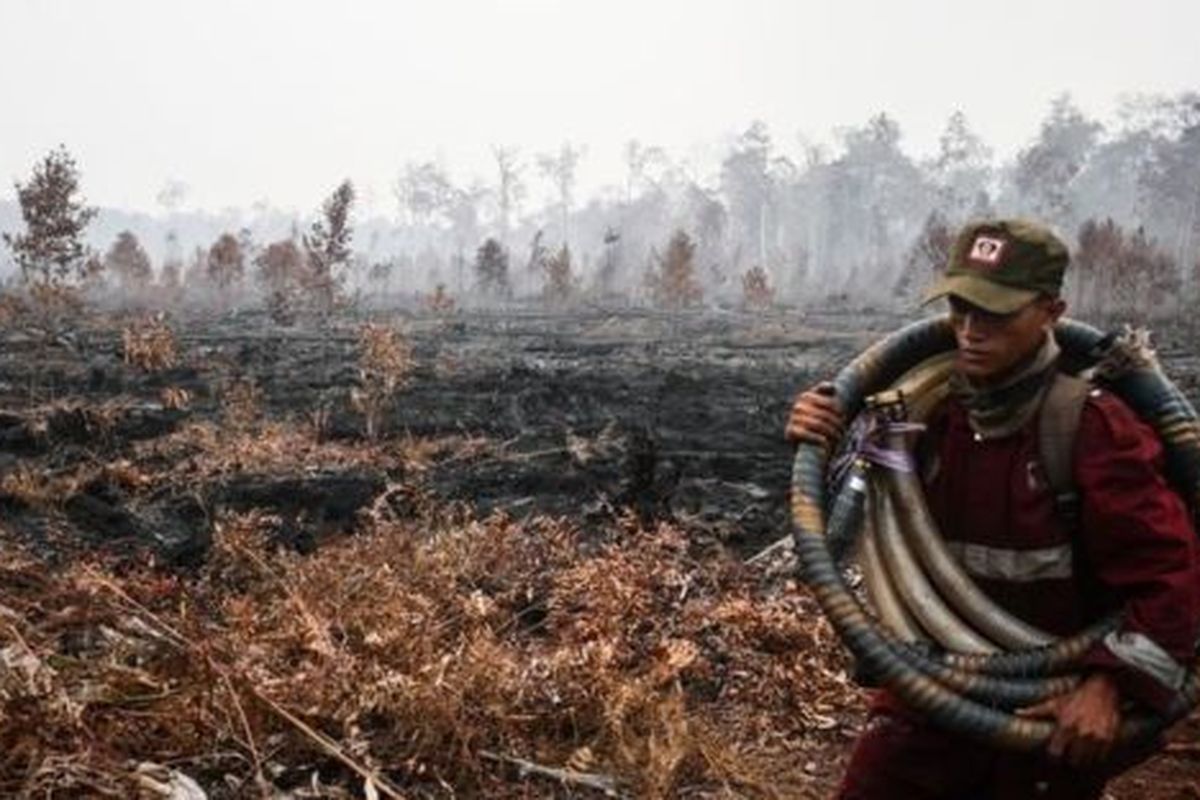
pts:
[589, 780]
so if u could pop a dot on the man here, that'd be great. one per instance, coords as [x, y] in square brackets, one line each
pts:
[1128, 545]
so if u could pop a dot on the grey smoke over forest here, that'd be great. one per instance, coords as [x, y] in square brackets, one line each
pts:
[860, 223]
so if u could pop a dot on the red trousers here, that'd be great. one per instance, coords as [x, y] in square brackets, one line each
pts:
[900, 758]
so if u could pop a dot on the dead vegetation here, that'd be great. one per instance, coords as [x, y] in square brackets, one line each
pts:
[432, 652]
[421, 657]
[672, 279]
[757, 293]
[439, 302]
[241, 404]
[384, 363]
[149, 345]
[12, 310]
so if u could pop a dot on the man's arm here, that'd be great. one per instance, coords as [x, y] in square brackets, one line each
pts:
[1137, 538]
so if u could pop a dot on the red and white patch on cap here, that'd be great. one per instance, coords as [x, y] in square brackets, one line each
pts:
[986, 251]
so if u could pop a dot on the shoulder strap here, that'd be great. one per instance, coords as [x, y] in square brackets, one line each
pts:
[1058, 425]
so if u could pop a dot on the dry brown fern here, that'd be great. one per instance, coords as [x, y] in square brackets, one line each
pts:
[149, 345]
[384, 364]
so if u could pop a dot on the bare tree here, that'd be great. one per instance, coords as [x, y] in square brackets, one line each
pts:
[746, 181]
[171, 278]
[423, 191]
[1122, 274]
[639, 159]
[606, 276]
[1170, 181]
[560, 168]
[462, 212]
[327, 246]
[172, 267]
[961, 171]
[876, 197]
[171, 197]
[927, 257]
[1046, 169]
[535, 265]
[510, 188]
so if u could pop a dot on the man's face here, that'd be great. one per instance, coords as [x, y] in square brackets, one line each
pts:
[991, 345]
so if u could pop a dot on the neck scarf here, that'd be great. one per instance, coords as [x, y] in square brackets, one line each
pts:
[996, 411]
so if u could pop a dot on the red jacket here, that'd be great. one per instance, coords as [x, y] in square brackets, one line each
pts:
[1133, 547]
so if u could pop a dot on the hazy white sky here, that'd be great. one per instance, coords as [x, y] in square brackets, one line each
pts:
[278, 101]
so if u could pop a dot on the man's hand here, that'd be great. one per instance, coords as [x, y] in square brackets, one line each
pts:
[1087, 721]
[815, 418]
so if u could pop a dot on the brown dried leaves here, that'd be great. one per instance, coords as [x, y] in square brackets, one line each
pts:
[413, 648]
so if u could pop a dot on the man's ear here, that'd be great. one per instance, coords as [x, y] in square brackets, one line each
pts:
[1057, 308]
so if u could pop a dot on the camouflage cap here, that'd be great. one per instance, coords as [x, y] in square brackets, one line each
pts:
[1001, 265]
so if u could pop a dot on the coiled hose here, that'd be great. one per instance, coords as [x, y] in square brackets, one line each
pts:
[983, 663]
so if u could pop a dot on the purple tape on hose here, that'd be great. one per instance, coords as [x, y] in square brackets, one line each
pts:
[867, 440]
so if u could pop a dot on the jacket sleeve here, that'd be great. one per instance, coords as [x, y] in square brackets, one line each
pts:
[1138, 540]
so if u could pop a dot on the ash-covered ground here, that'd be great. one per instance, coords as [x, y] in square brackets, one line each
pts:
[583, 414]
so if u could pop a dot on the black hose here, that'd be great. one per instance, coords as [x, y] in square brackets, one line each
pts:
[969, 693]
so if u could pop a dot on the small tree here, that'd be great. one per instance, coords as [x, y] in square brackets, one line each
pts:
[150, 345]
[560, 283]
[93, 275]
[510, 188]
[440, 302]
[226, 264]
[380, 275]
[281, 272]
[1116, 273]
[606, 277]
[327, 246]
[535, 265]
[491, 269]
[384, 363]
[170, 280]
[757, 292]
[1156, 278]
[560, 168]
[195, 276]
[673, 284]
[171, 277]
[50, 252]
[128, 262]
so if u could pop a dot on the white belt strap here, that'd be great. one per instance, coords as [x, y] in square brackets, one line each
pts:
[1019, 566]
[1143, 653]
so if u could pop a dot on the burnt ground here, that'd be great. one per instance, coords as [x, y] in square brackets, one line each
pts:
[580, 415]
[588, 416]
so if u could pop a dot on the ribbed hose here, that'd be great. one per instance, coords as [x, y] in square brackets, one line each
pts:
[977, 609]
[922, 389]
[961, 691]
[919, 596]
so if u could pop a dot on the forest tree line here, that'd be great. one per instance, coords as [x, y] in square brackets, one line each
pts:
[865, 225]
